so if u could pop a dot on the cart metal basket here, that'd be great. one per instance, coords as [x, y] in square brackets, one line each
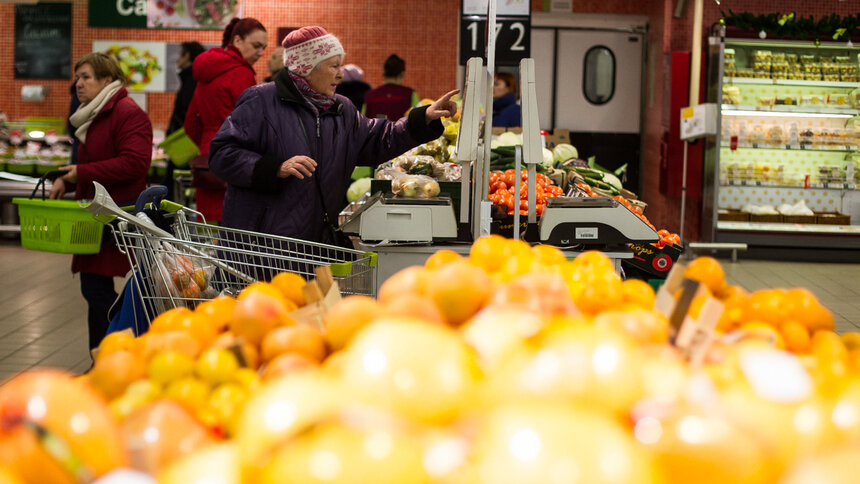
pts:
[198, 261]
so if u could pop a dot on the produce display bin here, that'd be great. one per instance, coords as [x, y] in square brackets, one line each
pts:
[829, 218]
[798, 219]
[733, 216]
[766, 218]
[655, 261]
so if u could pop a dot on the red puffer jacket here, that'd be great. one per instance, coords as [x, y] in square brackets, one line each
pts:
[222, 75]
[117, 154]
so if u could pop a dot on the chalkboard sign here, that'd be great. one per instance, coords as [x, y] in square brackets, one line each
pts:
[43, 41]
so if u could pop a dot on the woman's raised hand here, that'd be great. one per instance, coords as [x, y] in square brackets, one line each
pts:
[443, 106]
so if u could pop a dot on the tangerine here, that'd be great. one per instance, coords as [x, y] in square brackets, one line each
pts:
[285, 364]
[409, 280]
[117, 341]
[637, 292]
[459, 290]
[291, 286]
[218, 312]
[768, 305]
[268, 289]
[112, 373]
[707, 271]
[414, 305]
[164, 321]
[796, 336]
[347, 316]
[440, 258]
[300, 338]
[257, 313]
[488, 252]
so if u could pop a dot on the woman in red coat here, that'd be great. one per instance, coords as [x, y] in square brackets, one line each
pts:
[115, 150]
[222, 74]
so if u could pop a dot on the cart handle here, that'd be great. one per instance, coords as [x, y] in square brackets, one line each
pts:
[153, 195]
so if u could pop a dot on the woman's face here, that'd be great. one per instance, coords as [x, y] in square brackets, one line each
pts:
[500, 88]
[252, 46]
[325, 77]
[86, 84]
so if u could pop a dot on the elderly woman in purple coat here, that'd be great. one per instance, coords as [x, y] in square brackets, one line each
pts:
[288, 149]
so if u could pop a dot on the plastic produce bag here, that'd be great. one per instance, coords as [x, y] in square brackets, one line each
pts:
[181, 276]
[413, 186]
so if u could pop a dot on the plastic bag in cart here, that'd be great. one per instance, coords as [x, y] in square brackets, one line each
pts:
[181, 276]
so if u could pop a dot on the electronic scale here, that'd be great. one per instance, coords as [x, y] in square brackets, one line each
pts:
[386, 218]
[592, 222]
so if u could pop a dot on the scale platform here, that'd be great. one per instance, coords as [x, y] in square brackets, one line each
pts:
[384, 217]
[594, 221]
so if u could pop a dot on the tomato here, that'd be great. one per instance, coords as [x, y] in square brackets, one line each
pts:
[540, 208]
[663, 233]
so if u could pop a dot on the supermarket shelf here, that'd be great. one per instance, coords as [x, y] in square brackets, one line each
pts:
[835, 148]
[788, 111]
[816, 186]
[790, 82]
[791, 228]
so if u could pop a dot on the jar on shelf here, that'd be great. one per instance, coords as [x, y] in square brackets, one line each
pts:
[775, 135]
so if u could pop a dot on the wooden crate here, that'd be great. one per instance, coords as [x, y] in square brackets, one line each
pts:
[798, 219]
[832, 218]
[767, 218]
[733, 216]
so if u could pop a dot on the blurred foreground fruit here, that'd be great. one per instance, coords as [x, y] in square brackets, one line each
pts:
[68, 411]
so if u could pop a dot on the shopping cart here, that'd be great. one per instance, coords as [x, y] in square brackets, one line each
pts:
[195, 261]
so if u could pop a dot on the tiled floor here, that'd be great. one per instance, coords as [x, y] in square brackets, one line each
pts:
[43, 316]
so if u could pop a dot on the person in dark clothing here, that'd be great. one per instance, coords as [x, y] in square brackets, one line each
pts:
[187, 53]
[391, 100]
[289, 147]
[506, 112]
[353, 86]
[73, 106]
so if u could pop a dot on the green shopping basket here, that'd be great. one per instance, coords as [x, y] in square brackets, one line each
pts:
[60, 226]
[179, 147]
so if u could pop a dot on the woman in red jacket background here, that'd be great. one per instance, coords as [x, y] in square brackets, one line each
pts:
[222, 74]
[115, 150]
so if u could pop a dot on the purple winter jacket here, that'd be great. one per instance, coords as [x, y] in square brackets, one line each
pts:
[264, 130]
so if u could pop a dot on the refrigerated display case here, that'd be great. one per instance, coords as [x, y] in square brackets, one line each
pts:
[783, 170]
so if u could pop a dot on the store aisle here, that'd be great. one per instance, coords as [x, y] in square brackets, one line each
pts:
[43, 316]
[42, 313]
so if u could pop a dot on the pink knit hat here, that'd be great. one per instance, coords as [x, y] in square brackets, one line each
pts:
[308, 46]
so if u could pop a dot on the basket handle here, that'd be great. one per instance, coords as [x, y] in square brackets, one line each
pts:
[53, 175]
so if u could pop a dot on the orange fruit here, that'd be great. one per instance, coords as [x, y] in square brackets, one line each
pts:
[707, 271]
[459, 290]
[285, 364]
[593, 260]
[732, 292]
[409, 280]
[733, 314]
[256, 314]
[488, 252]
[440, 258]
[268, 289]
[218, 312]
[300, 338]
[197, 325]
[181, 341]
[637, 292]
[796, 336]
[595, 291]
[291, 286]
[346, 317]
[114, 372]
[851, 340]
[768, 305]
[548, 255]
[164, 321]
[413, 305]
[646, 326]
[117, 341]
[803, 306]
[827, 346]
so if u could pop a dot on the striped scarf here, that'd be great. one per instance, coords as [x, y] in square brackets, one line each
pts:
[317, 101]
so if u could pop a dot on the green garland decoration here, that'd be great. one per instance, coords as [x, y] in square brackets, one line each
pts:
[790, 26]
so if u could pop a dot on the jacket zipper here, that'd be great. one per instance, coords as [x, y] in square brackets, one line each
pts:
[318, 126]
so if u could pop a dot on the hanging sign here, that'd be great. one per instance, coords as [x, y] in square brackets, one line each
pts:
[117, 13]
[512, 31]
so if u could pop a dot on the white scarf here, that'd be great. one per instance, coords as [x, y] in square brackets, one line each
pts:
[86, 113]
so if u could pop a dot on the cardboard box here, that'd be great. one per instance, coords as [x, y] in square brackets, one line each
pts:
[557, 137]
